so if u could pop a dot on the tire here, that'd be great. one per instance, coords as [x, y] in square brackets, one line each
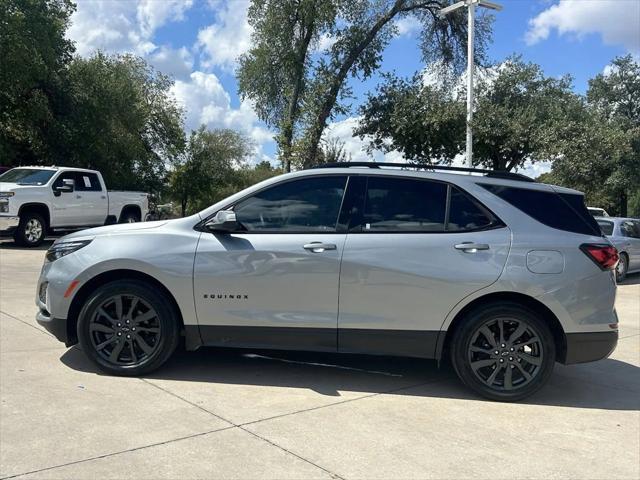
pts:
[530, 363]
[133, 338]
[622, 267]
[31, 230]
[130, 217]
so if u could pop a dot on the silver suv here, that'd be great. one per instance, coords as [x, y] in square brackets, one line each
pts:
[500, 274]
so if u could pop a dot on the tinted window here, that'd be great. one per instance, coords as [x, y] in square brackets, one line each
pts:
[87, 182]
[397, 204]
[64, 176]
[27, 176]
[465, 214]
[549, 208]
[305, 205]
[606, 227]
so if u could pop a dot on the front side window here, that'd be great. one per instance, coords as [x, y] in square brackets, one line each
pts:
[404, 205]
[306, 205]
[65, 176]
[628, 229]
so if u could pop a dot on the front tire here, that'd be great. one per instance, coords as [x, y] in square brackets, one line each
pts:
[504, 352]
[128, 328]
[130, 217]
[31, 230]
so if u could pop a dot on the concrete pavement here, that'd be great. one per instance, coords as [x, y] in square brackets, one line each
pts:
[238, 414]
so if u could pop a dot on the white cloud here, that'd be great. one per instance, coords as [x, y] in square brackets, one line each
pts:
[230, 36]
[617, 21]
[118, 26]
[175, 62]
[207, 102]
[408, 25]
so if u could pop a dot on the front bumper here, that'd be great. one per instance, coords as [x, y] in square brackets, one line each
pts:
[589, 347]
[56, 326]
[8, 224]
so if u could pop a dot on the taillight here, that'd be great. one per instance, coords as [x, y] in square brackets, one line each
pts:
[604, 255]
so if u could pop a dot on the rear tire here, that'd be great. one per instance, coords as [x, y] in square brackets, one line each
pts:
[622, 267]
[31, 230]
[503, 351]
[130, 217]
[128, 328]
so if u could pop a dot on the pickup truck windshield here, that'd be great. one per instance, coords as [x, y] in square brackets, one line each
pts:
[27, 176]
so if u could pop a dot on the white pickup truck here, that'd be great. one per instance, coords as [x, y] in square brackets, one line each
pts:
[37, 200]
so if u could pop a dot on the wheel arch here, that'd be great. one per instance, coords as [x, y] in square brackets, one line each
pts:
[559, 336]
[130, 208]
[102, 279]
[39, 208]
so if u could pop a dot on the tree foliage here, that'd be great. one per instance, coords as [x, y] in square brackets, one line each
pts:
[208, 167]
[34, 55]
[518, 111]
[600, 151]
[121, 120]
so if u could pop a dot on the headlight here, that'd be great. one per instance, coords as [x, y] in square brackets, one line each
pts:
[59, 250]
[7, 194]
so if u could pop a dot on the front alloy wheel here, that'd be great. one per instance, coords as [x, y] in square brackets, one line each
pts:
[128, 327]
[503, 351]
[31, 230]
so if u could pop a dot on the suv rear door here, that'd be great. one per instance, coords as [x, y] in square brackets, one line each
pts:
[415, 248]
[276, 284]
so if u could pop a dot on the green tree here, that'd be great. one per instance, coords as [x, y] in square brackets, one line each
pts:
[518, 110]
[365, 29]
[121, 120]
[209, 165]
[34, 55]
[600, 149]
[274, 72]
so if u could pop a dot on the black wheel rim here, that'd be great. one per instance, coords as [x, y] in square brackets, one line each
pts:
[506, 354]
[125, 330]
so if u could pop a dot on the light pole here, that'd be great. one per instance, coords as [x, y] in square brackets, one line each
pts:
[471, 7]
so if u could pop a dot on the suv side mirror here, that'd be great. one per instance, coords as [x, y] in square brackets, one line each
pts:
[68, 186]
[224, 221]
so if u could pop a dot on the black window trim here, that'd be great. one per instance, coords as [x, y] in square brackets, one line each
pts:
[349, 228]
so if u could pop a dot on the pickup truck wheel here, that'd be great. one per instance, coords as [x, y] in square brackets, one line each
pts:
[31, 230]
[504, 352]
[130, 217]
[127, 328]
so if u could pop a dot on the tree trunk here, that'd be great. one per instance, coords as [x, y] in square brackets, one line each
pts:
[292, 113]
[623, 199]
[329, 101]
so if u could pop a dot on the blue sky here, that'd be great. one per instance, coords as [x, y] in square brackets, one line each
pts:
[197, 42]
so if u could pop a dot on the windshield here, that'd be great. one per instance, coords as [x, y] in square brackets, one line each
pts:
[27, 176]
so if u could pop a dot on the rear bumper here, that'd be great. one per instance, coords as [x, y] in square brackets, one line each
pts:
[56, 326]
[589, 347]
[8, 224]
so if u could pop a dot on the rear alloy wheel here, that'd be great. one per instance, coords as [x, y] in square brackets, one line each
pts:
[504, 352]
[621, 268]
[127, 328]
[31, 230]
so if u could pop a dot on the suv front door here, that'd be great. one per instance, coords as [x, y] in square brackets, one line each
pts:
[415, 248]
[275, 284]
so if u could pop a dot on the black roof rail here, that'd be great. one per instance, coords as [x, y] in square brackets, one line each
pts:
[426, 166]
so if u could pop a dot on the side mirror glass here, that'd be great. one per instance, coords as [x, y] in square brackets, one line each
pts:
[223, 221]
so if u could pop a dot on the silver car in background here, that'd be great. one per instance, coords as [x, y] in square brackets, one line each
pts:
[624, 234]
[499, 274]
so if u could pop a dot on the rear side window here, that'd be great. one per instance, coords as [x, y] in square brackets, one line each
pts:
[630, 229]
[562, 211]
[606, 227]
[87, 182]
[403, 205]
[465, 214]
